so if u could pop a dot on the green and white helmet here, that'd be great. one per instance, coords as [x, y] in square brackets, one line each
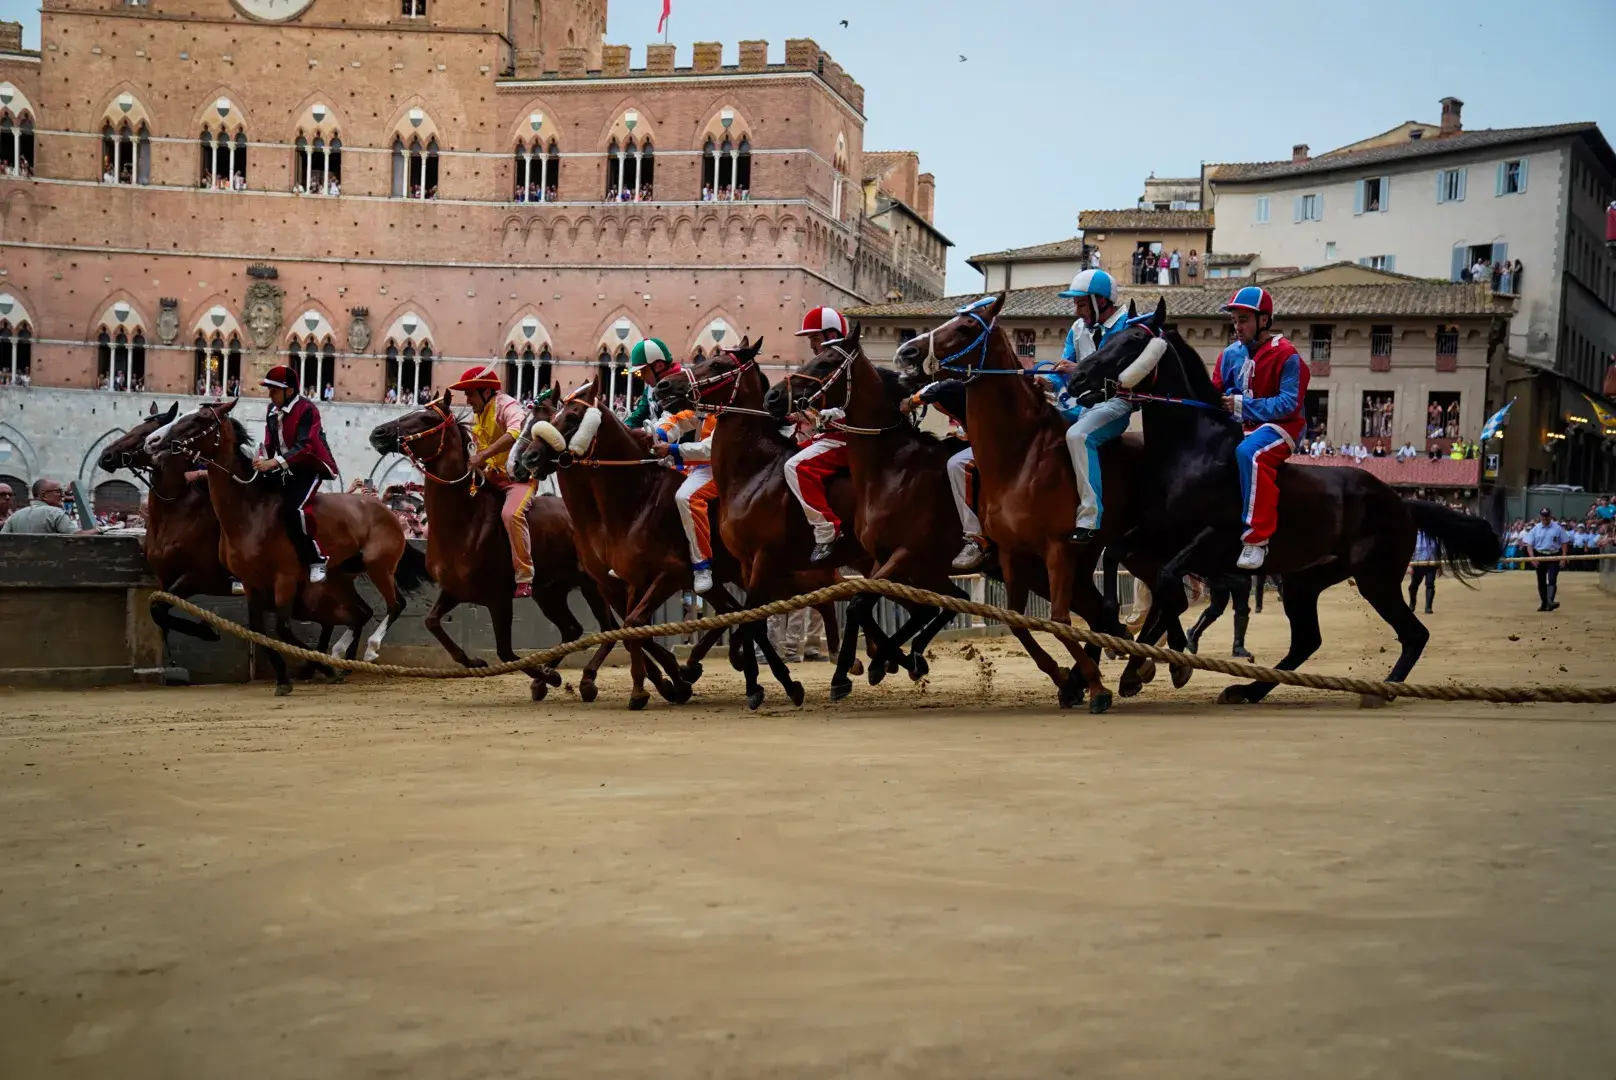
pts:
[652, 353]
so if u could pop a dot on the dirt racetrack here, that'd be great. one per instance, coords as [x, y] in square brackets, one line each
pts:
[444, 881]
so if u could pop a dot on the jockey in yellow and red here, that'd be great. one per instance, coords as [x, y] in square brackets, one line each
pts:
[496, 425]
[1263, 380]
[825, 455]
[294, 444]
[652, 362]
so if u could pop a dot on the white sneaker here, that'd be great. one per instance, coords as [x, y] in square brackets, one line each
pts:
[237, 588]
[1252, 556]
[704, 581]
[317, 572]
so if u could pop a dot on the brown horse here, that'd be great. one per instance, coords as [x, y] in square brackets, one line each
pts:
[182, 548]
[1027, 491]
[630, 538]
[759, 520]
[255, 544]
[467, 548]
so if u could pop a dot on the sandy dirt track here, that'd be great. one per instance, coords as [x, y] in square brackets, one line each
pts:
[444, 881]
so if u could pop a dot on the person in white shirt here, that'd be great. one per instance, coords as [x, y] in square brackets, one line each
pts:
[1547, 537]
[1482, 271]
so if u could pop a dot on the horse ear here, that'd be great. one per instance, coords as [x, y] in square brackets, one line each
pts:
[757, 346]
[225, 407]
[1159, 319]
[746, 341]
[173, 411]
[1133, 310]
[853, 338]
[998, 302]
[448, 397]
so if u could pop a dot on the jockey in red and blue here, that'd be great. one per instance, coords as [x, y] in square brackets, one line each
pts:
[1264, 384]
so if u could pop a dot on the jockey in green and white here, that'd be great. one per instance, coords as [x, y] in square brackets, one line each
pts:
[1094, 297]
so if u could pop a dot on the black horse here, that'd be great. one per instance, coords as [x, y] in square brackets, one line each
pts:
[1334, 523]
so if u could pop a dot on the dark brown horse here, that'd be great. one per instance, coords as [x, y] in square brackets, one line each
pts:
[182, 548]
[467, 548]
[255, 545]
[630, 538]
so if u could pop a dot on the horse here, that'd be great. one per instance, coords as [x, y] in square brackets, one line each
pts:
[354, 530]
[467, 548]
[631, 539]
[1028, 495]
[182, 549]
[759, 520]
[1334, 523]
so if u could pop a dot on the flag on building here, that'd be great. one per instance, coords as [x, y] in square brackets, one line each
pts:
[1602, 416]
[667, 9]
[1489, 430]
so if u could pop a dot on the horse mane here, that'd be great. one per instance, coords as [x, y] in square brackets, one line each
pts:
[891, 382]
[1195, 374]
[243, 440]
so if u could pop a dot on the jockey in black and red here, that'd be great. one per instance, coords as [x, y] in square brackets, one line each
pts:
[294, 447]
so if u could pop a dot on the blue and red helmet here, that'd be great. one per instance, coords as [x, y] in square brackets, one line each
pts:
[1251, 298]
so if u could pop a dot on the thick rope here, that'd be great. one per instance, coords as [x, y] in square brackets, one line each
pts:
[547, 658]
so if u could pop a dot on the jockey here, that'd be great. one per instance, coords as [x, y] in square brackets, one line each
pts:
[1264, 384]
[809, 469]
[652, 361]
[1094, 297]
[496, 425]
[294, 444]
[949, 396]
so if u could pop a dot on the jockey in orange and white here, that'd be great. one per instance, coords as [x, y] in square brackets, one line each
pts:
[496, 425]
[825, 455]
[652, 362]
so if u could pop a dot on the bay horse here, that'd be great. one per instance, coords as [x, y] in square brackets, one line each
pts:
[759, 521]
[1333, 523]
[467, 548]
[1028, 495]
[630, 538]
[182, 548]
[354, 530]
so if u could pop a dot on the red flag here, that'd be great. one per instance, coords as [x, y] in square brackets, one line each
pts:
[667, 9]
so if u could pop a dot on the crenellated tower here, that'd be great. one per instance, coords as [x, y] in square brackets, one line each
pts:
[542, 28]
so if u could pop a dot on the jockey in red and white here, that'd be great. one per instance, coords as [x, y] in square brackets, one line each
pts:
[294, 446]
[1264, 383]
[810, 469]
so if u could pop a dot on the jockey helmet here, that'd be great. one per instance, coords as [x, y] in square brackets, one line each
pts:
[478, 377]
[281, 376]
[651, 353]
[824, 320]
[1251, 298]
[1092, 283]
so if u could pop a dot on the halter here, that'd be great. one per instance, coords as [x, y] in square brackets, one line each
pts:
[841, 372]
[977, 344]
[187, 447]
[406, 445]
[733, 377]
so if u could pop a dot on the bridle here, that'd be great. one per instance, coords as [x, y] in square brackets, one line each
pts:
[695, 388]
[842, 371]
[187, 447]
[1133, 398]
[978, 344]
[406, 445]
[566, 458]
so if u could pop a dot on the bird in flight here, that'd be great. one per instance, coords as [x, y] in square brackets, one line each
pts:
[844, 24]
[962, 58]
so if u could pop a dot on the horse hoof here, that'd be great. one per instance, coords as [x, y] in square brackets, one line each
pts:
[840, 690]
[857, 668]
[588, 691]
[1181, 675]
[1129, 686]
[474, 662]
[796, 694]
[1100, 702]
[893, 666]
[539, 689]
[637, 702]
[691, 672]
[754, 700]
[877, 671]
[1373, 701]
[667, 691]
[207, 633]
[552, 676]
[682, 692]
[1233, 695]
[282, 689]
[1147, 671]
[918, 667]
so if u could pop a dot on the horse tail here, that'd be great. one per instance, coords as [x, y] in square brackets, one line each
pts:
[411, 574]
[1466, 544]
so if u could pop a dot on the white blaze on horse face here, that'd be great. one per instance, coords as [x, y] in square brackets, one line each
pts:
[588, 428]
[547, 433]
[1143, 365]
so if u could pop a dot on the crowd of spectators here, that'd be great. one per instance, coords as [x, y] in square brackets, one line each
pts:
[535, 193]
[22, 170]
[5, 377]
[221, 182]
[332, 186]
[723, 194]
[627, 193]
[1594, 534]
[1163, 268]
[1459, 451]
[1503, 275]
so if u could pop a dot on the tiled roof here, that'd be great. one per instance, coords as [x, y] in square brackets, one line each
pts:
[1060, 249]
[1418, 472]
[1414, 148]
[1416, 298]
[878, 162]
[1224, 258]
[1200, 220]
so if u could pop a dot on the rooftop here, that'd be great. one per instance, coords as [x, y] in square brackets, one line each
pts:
[1060, 249]
[878, 162]
[1413, 149]
[1189, 220]
[1227, 258]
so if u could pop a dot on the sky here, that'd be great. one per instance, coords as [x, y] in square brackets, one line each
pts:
[1067, 105]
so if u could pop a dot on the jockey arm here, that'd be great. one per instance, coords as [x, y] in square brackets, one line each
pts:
[1283, 405]
[640, 413]
[299, 448]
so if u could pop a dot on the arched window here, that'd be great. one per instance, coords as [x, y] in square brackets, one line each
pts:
[415, 168]
[743, 169]
[218, 365]
[125, 154]
[709, 170]
[538, 171]
[838, 177]
[318, 166]
[16, 144]
[316, 367]
[409, 373]
[526, 373]
[224, 159]
[612, 372]
[415, 9]
[16, 354]
[121, 362]
[614, 171]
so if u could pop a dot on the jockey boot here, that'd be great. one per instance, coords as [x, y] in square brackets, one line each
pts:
[1194, 636]
[1252, 556]
[524, 590]
[970, 556]
[1240, 652]
[822, 551]
[317, 572]
[703, 582]
[1081, 535]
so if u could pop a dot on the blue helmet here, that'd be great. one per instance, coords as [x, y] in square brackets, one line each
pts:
[1092, 283]
[1251, 298]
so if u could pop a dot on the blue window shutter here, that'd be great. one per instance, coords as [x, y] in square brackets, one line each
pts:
[1459, 262]
[1385, 193]
[1503, 170]
[1357, 197]
[1500, 252]
[1298, 209]
[1391, 262]
[1523, 177]
[1463, 176]
[1441, 188]
[1318, 207]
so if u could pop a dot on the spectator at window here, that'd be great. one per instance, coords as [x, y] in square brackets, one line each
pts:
[1515, 276]
[329, 393]
[1193, 265]
[1138, 266]
[1480, 271]
[391, 397]
[1406, 452]
[1173, 265]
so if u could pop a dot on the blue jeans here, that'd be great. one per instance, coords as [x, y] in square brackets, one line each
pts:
[1096, 427]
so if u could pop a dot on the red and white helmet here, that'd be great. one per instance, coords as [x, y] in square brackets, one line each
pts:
[824, 320]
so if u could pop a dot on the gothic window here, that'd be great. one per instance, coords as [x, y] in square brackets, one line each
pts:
[526, 373]
[409, 373]
[316, 365]
[743, 169]
[218, 365]
[709, 170]
[121, 362]
[538, 171]
[16, 354]
[224, 159]
[414, 9]
[621, 388]
[415, 168]
[630, 168]
[16, 144]
[318, 168]
[838, 178]
[125, 154]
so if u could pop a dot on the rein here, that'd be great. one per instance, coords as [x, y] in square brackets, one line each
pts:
[733, 377]
[406, 446]
[842, 371]
[977, 344]
[188, 447]
[1163, 399]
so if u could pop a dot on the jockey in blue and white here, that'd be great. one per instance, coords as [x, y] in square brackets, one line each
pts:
[1094, 297]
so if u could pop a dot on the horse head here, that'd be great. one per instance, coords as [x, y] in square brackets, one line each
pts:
[568, 433]
[199, 433]
[541, 412]
[821, 383]
[129, 451]
[421, 433]
[956, 348]
[712, 382]
[1127, 358]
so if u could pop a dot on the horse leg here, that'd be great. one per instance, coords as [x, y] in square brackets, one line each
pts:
[1411, 633]
[605, 620]
[1061, 588]
[691, 670]
[162, 613]
[641, 608]
[1015, 593]
[552, 600]
[858, 615]
[277, 663]
[833, 635]
[759, 634]
[434, 625]
[310, 668]
[919, 668]
[1302, 610]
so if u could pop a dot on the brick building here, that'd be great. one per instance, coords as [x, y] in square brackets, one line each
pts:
[383, 191]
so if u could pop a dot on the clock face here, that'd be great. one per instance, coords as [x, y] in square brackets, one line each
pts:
[273, 10]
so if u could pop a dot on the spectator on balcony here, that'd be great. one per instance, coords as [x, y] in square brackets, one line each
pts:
[1138, 266]
[1192, 266]
[1406, 452]
[1173, 265]
[1151, 260]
